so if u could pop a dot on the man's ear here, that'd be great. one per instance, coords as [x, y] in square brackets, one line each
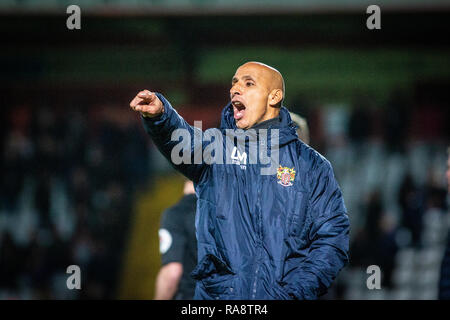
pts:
[275, 97]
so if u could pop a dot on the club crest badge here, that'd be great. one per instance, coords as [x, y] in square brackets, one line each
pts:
[285, 176]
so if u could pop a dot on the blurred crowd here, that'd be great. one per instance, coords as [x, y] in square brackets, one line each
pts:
[390, 161]
[67, 184]
[69, 179]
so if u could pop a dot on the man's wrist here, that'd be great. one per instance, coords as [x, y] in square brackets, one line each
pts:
[155, 117]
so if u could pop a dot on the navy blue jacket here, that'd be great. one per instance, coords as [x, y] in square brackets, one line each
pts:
[260, 237]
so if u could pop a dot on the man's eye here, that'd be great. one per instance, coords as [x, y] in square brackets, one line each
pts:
[248, 84]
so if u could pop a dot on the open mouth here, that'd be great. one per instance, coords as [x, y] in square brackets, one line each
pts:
[239, 109]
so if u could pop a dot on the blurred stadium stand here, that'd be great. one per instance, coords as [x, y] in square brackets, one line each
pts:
[82, 184]
[214, 5]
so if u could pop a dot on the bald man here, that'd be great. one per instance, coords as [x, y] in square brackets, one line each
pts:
[276, 235]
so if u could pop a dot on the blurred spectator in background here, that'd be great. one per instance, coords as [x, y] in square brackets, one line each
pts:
[303, 130]
[396, 122]
[412, 203]
[178, 248]
[360, 122]
[16, 157]
[10, 271]
[62, 203]
[444, 281]
[375, 244]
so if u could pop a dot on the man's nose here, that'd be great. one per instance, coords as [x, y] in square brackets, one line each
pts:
[235, 90]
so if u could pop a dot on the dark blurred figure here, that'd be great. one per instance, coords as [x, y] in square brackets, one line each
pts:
[375, 244]
[412, 203]
[42, 196]
[444, 281]
[38, 271]
[16, 155]
[12, 261]
[100, 277]
[396, 122]
[360, 122]
[14, 170]
[79, 161]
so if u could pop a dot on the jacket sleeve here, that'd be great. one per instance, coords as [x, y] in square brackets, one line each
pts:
[164, 131]
[329, 238]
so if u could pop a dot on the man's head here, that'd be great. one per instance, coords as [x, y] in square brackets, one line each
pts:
[257, 91]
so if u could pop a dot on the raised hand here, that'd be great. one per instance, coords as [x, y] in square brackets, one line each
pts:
[147, 103]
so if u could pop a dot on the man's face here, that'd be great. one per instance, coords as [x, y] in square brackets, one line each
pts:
[249, 95]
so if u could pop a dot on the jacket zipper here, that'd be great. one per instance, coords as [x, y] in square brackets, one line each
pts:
[259, 244]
